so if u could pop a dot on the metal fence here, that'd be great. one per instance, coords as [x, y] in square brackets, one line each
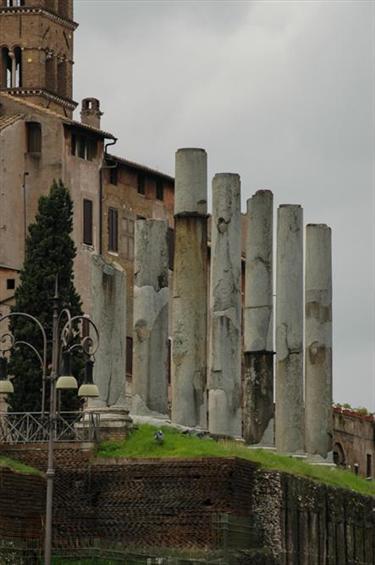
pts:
[26, 427]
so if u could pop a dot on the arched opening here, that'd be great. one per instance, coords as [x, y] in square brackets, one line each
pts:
[18, 59]
[50, 5]
[11, 67]
[61, 78]
[6, 68]
[50, 72]
[63, 8]
[339, 455]
[14, 3]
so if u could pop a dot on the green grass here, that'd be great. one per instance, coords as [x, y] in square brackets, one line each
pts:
[18, 466]
[141, 444]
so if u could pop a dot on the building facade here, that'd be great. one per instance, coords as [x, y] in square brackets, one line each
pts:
[40, 142]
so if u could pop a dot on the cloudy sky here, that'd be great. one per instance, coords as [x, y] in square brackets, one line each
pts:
[282, 93]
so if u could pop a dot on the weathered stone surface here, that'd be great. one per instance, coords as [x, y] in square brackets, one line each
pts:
[150, 342]
[258, 409]
[189, 317]
[258, 318]
[318, 340]
[224, 383]
[109, 314]
[191, 182]
[289, 330]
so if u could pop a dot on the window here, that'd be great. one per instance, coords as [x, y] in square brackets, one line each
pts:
[91, 149]
[87, 222]
[11, 284]
[128, 237]
[141, 183]
[50, 72]
[34, 137]
[12, 3]
[112, 230]
[51, 5]
[129, 357]
[170, 237]
[113, 175]
[368, 465]
[61, 78]
[11, 63]
[84, 147]
[159, 189]
[63, 8]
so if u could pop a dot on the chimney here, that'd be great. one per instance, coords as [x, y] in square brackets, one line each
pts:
[90, 113]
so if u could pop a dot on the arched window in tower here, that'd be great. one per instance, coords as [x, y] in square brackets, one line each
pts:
[61, 78]
[18, 64]
[50, 72]
[50, 5]
[11, 67]
[63, 8]
[6, 68]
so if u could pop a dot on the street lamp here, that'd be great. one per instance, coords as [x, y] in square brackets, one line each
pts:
[65, 340]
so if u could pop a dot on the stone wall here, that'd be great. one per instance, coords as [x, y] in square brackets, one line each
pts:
[210, 504]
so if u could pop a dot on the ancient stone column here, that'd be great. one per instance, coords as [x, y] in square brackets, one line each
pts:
[224, 382]
[289, 421]
[150, 340]
[258, 319]
[318, 340]
[189, 318]
[109, 314]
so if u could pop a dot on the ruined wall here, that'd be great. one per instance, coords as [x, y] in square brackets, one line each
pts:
[354, 441]
[209, 503]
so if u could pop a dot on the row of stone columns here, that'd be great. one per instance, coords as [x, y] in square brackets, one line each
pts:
[206, 381]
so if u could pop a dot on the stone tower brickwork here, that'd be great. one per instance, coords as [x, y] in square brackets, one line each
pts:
[36, 52]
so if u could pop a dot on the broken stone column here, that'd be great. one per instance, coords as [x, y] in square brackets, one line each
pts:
[224, 382]
[109, 314]
[189, 317]
[289, 421]
[318, 340]
[150, 341]
[258, 320]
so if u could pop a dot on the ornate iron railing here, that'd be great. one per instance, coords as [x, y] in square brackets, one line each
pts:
[27, 427]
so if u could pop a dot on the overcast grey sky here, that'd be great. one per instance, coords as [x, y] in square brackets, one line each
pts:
[282, 93]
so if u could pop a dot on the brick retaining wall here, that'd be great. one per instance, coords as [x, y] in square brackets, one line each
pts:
[179, 504]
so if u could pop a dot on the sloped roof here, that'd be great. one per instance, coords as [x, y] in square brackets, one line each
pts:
[140, 167]
[8, 120]
[52, 113]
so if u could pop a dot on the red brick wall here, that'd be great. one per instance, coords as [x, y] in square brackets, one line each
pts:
[22, 505]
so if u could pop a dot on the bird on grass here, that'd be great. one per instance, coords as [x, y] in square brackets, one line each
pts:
[159, 437]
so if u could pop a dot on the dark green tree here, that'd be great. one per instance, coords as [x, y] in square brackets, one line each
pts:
[50, 251]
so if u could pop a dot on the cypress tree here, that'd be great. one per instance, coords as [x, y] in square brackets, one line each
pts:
[50, 251]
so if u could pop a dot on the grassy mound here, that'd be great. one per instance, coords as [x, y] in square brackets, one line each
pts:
[18, 466]
[141, 444]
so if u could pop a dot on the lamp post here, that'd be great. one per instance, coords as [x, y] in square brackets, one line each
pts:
[65, 340]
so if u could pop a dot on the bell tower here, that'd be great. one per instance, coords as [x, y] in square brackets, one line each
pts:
[36, 52]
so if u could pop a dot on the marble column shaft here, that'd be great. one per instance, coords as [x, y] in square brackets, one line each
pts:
[150, 345]
[224, 383]
[189, 317]
[258, 318]
[318, 340]
[289, 421]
